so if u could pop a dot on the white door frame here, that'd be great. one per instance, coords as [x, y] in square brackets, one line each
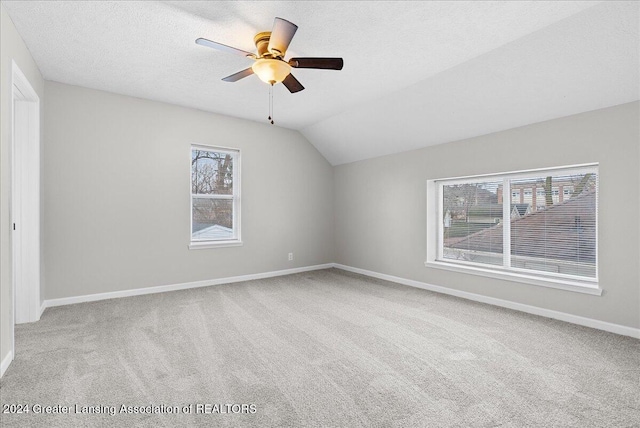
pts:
[25, 201]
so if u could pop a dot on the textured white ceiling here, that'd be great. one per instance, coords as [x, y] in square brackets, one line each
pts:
[415, 74]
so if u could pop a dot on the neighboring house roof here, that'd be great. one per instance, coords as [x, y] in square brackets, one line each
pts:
[521, 208]
[568, 232]
[484, 196]
[213, 233]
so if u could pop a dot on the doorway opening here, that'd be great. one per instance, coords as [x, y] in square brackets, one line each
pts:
[25, 201]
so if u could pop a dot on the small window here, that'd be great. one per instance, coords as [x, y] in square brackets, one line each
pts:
[215, 197]
[540, 198]
[552, 239]
[515, 195]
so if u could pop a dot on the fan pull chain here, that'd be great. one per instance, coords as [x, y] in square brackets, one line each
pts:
[271, 103]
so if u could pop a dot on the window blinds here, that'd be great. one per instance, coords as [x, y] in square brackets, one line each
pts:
[559, 235]
[545, 223]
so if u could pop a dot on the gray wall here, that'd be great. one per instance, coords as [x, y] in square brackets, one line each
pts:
[381, 221]
[117, 201]
[11, 48]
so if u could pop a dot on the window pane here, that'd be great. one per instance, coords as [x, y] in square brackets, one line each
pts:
[211, 172]
[212, 219]
[472, 220]
[557, 232]
[515, 196]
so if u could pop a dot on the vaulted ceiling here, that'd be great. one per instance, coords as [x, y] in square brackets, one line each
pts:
[415, 73]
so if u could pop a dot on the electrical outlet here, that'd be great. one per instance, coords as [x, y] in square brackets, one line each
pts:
[290, 256]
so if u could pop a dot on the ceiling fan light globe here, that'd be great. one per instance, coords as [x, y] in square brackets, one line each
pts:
[271, 71]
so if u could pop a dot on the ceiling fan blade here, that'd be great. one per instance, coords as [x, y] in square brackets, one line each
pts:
[239, 75]
[281, 36]
[225, 48]
[323, 63]
[292, 84]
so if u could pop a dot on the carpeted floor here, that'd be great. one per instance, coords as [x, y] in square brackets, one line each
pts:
[324, 348]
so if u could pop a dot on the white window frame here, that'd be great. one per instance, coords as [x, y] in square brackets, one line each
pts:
[435, 234]
[197, 244]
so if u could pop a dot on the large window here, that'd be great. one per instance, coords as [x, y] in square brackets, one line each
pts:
[548, 236]
[215, 197]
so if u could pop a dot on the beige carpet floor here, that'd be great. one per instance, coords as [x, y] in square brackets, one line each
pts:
[320, 349]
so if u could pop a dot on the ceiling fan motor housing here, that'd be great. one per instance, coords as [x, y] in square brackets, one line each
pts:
[261, 41]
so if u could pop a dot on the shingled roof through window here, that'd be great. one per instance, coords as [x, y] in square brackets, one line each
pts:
[564, 231]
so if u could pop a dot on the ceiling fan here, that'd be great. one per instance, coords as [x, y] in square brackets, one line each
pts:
[270, 65]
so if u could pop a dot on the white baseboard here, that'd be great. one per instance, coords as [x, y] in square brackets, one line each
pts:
[174, 287]
[4, 365]
[535, 310]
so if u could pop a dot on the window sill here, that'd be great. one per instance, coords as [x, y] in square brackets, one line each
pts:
[562, 284]
[213, 244]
